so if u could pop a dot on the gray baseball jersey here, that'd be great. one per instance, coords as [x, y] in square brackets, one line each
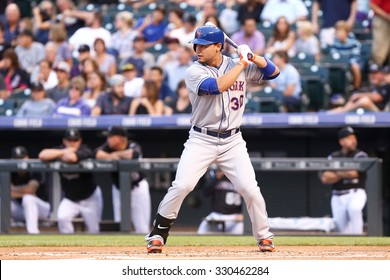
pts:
[223, 111]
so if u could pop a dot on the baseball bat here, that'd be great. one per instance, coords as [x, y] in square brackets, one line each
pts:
[228, 39]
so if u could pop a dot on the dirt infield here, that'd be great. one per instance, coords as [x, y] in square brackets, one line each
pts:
[187, 252]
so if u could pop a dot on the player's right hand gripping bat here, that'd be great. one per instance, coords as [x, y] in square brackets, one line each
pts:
[228, 39]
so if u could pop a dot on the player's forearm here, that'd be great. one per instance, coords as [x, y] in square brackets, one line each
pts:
[107, 156]
[348, 174]
[51, 154]
[314, 12]
[226, 81]
[329, 177]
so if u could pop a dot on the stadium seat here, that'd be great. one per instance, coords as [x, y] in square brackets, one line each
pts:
[7, 107]
[20, 96]
[157, 49]
[302, 60]
[315, 87]
[339, 72]
[252, 105]
[145, 9]
[266, 28]
[362, 30]
[269, 99]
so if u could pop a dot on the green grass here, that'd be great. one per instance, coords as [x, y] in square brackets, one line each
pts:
[83, 240]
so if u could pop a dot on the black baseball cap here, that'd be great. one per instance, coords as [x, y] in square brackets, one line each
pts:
[116, 131]
[345, 131]
[72, 134]
[19, 152]
[84, 48]
[37, 86]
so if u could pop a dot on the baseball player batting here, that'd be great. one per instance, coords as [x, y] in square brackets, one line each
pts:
[217, 86]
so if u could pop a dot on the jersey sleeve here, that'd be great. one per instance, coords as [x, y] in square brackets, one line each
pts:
[253, 73]
[194, 76]
[84, 153]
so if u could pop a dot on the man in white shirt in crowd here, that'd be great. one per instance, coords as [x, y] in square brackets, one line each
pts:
[293, 10]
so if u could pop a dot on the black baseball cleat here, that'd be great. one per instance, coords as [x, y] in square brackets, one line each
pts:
[266, 245]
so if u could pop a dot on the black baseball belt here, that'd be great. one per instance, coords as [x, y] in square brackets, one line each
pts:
[219, 134]
[343, 192]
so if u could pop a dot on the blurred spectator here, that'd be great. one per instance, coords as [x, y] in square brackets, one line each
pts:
[30, 53]
[26, 24]
[96, 86]
[250, 36]
[349, 47]
[153, 26]
[58, 36]
[292, 10]
[3, 43]
[133, 84]
[46, 75]
[15, 77]
[282, 39]
[141, 59]
[51, 51]
[148, 103]
[175, 70]
[74, 104]
[156, 74]
[175, 20]
[209, 8]
[228, 18]
[3, 88]
[38, 105]
[106, 61]
[288, 82]
[12, 19]
[187, 32]
[306, 41]
[87, 66]
[70, 16]
[181, 104]
[171, 54]
[214, 20]
[226, 205]
[118, 146]
[62, 69]
[87, 35]
[29, 194]
[381, 31]
[113, 102]
[122, 39]
[83, 53]
[375, 99]
[346, 10]
[43, 18]
[81, 196]
[363, 10]
[250, 9]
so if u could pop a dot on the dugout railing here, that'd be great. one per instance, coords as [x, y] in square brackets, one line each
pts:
[372, 166]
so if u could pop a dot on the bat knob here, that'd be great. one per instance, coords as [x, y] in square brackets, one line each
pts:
[250, 56]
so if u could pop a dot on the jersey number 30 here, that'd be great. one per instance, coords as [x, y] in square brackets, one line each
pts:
[237, 102]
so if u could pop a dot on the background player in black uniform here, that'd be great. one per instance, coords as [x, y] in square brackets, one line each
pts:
[29, 195]
[81, 195]
[348, 187]
[226, 214]
[119, 147]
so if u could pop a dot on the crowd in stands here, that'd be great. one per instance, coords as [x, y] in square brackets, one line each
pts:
[79, 58]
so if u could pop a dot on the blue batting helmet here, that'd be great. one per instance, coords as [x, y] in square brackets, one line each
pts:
[207, 35]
